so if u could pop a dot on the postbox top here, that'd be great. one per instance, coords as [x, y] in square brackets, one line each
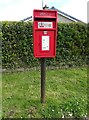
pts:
[45, 13]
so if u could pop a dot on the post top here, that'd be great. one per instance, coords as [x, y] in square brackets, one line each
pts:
[45, 7]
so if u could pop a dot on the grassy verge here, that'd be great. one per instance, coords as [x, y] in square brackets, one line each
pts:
[66, 94]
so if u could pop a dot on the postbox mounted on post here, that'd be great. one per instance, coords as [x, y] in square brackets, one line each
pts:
[45, 33]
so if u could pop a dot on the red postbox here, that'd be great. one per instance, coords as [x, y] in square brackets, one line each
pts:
[45, 33]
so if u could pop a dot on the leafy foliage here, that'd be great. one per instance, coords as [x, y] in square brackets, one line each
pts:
[17, 45]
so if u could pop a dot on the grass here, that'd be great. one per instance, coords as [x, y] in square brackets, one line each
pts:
[66, 94]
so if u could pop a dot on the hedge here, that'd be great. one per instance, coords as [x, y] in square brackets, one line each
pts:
[17, 45]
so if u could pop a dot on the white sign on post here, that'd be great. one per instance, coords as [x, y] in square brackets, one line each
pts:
[45, 25]
[45, 42]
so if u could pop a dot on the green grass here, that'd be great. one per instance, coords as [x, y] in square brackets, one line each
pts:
[66, 94]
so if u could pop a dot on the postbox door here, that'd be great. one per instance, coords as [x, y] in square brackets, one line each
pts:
[44, 45]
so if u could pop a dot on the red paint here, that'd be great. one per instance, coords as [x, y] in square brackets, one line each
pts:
[45, 24]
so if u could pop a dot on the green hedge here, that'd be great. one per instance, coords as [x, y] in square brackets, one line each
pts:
[17, 45]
